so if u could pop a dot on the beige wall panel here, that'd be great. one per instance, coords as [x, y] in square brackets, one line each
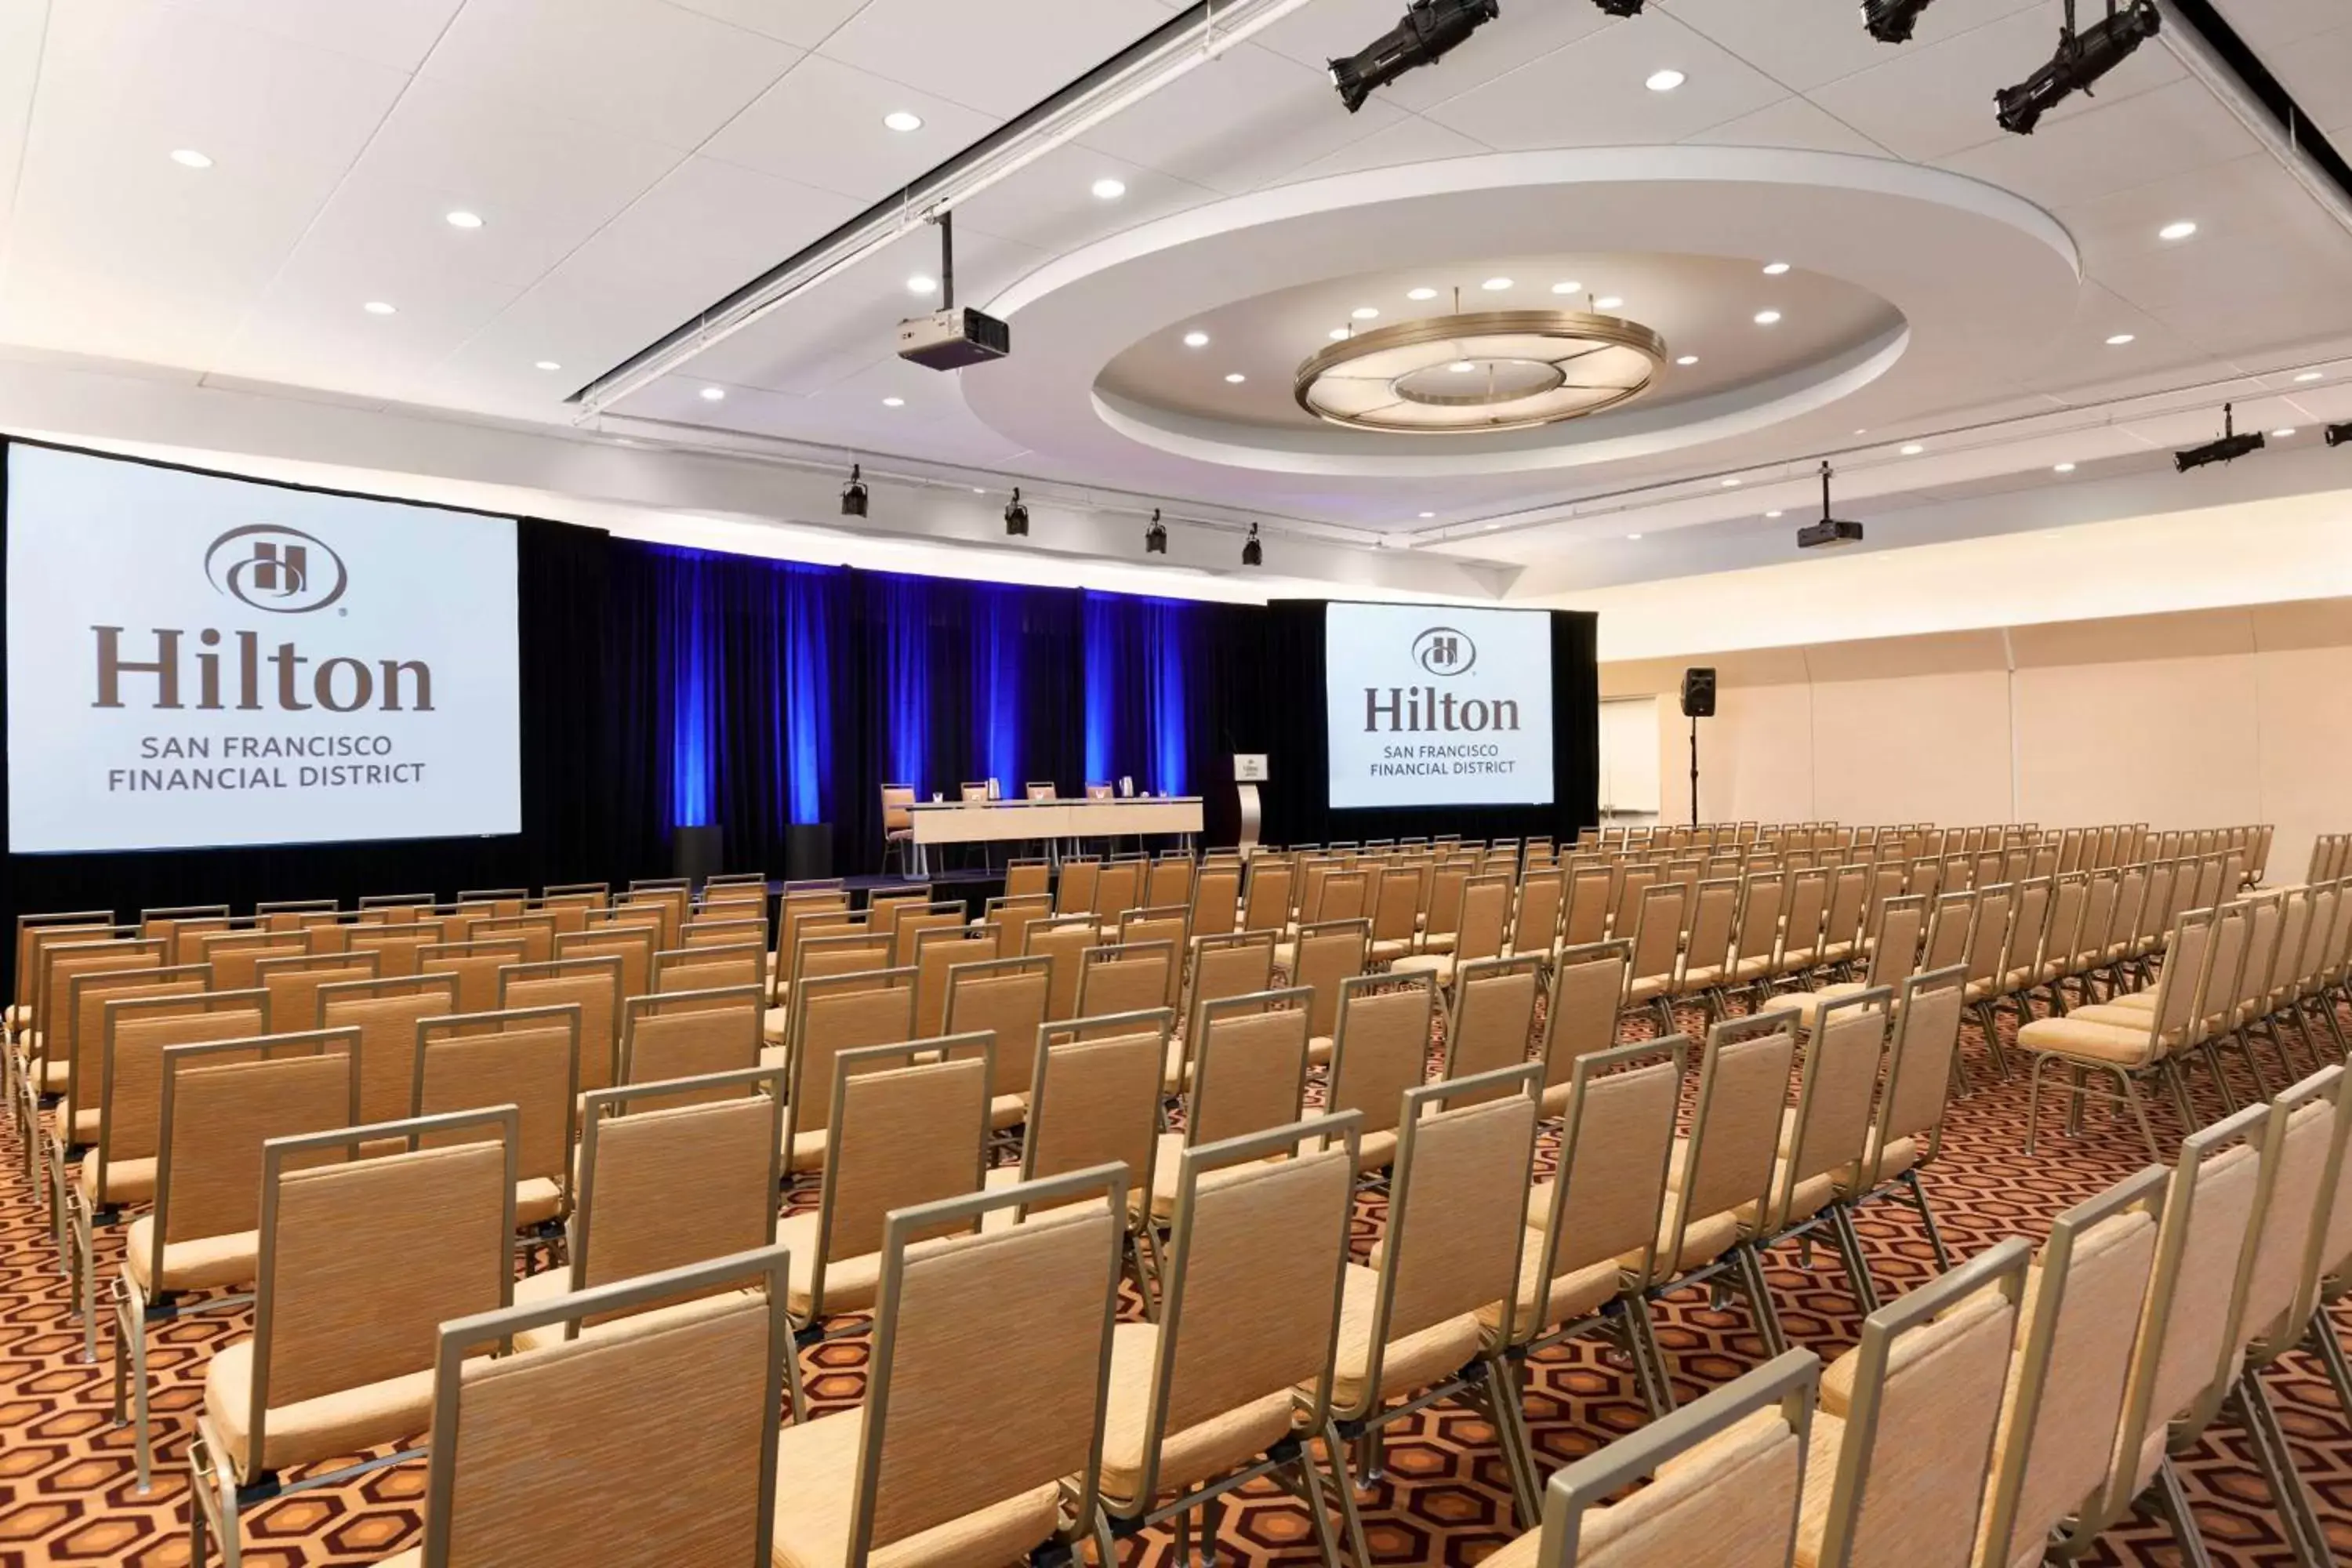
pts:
[1755, 757]
[1922, 748]
[2305, 716]
[2170, 742]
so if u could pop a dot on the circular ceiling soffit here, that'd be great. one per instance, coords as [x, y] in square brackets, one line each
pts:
[1489, 371]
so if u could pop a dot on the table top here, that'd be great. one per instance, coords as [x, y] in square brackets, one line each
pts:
[1064, 802]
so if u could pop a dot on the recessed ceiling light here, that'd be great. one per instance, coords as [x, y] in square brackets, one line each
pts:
[1340, 335]
[2064, 468]
[1862, 432]
[2282, 434]
[1424, 293]
[921, 283]
[546, 364]
[2119, 340]
[1768, 318]
[1109, 190]
[1569, 286]
[377, 308]
[894, 403]
[1731, 484]
[977, 490]
[462, 219]
[1664, 80]
[1196, 340]
[2176, 230]
[1364, 312]
[1687, 359]
[900, 119]
[189, 158]
[2312, 375]
[1633, 536]
[1496, 284]
[1775, 269]
[1608, 303]
[714, 395]
[1462, 367]
[1236, 378]
[1428, 514]
[1914, 449]
[1773, 514]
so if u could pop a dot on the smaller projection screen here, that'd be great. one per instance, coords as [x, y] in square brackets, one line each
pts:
[1438, 705]
[196, 660]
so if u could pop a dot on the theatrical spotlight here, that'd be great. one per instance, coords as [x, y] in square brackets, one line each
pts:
[1155, 538]
[1016, 516]
[1891, 21]
[2082, 59]
[2337, 435]
[1621, 7]
[1430, 28]
[1252, 553]
[2228, 449]
[853, 495]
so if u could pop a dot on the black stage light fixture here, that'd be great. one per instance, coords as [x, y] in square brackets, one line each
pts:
[1016, 516]
[2228, 449]
[1252, 553]
[2337, 435]
[2082, 59]
[1891, 21]
[1430, 28]
[1621, 7]
[853, 495]
[1155, 538]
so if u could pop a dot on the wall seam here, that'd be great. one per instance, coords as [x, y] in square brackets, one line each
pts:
[2016, 762]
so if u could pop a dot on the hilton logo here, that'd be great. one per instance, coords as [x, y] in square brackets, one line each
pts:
[281, 570]
[1442, 650]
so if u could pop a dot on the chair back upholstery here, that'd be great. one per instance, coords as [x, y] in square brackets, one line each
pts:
[293, 983]
[1095, 1099]
[1587, 984]
[1233, 964]
[34, 933]
[1657, 932]
[632, 945]
[1587, 918]
[1216, 897]
[592, 983]
[76, 1031]
[536, 933]
[1381, 1048]
[137, 1031]
[1171, 925]
[1132, 978]
[1249, 1067]
[1063, 941]
[1534, 924]
[1480, 929]
[528, 1058]
[1617, 1134]
[1013, 915]
[2304, 1161]
[691, 1034]
[711, 968]
[1835, 1097]
[1030, 876]
[1073, 894]
[991, 1358]
[1901, 921]
[1743, 1085]
[1947, 932]
[909, 921]
[1265, 896]
[1925, 1395]
[1729, 1473]
[1118, 888]
[1005, 999]
[64, 962]
[1493, 1015]
[476, 964]
[385, 1014]
[1710, 930]
[831, 1017]
[936, 951]
[906, 1132]
[1326, 955]
[1926, 1042]
[234, 954]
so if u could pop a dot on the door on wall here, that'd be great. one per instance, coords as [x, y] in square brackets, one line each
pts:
[1628, 758]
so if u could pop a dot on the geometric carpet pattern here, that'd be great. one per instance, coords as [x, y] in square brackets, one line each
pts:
[68, 1488]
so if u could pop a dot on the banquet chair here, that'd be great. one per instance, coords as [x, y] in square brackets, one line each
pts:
[1005, 999]
[336, 1363]
[1013, 915]
[1655, 947]
[935, 953]
[1395, 901]
[294, 982]
[1325, 956]
[1492, 1024]
[690, 1033]
[897, 824]
[651, 1445]
[1579, 1013]
[1704, 968]
[909, 1127]
[528, 1058]
[74, 1041]
[1128, 979]
[1481, 915]
[1379, 1051]
[1170, 923]
[234, 954]
[476, 965]
[743, 964]
[1804, 911]
[1894, 1468]
[1894, 953]
[834, 1015]
[1207, 1399]
[632, 945]
[1906, 1133]
[41, 1056]
[1073, 891]
[1409, 1325]
[1249, 1073]
[1726, 1475]
[1535, 920]
[1828, 1133]
[1216, 897]
[536, 933]
[1063, 941]
[592, 983]
[980, 1435]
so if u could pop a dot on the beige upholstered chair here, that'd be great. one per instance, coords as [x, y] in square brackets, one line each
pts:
[1724, 1166]
[1063, 941]
[476, 965]
[1656, 933]
[831, 1017]
[1480, 922]
[1535, 922]
[1326, 955]
[690, 1034]
[1233, 964]
[75, 1040]
[1726, 1476]
[2057, 1430]
[1893, 948]
[1827, 1135]
[633, 945]
[655, 1440]
[1704, 969]
[1005, 999]
[592, 983]
[1265, 892]
[1207, 1396]
[385, 1014]
[908, 920]
[1249, 1073]
[1895, 1468]
[1907, 1134]
[1592, 1230]
[1073, 887]
[234, 954]
[742, 963]
[909, 1127]
[1409, 1326]
[294, 982]
[1216, 898]
[981, 1436]
[1029, 876]
[897, 824]
[1396, 904]
[528, 1058]
[1013, 915]
[1755, 933]
[339, 1361]
[934, 953]
[1380, 1052]
[1128, 979]
[1493, 1023]
[43, 1057]
[1581, 1016]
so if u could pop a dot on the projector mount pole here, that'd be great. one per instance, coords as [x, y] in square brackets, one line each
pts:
[946, 221]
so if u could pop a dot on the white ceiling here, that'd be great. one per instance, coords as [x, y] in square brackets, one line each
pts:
[635, 160]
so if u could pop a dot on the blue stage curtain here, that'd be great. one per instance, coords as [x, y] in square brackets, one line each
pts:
[1147, 674]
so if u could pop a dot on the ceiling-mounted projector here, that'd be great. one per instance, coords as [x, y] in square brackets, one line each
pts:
[1831, 532]
[951, 339]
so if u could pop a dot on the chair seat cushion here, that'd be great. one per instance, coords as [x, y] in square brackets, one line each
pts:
[199, 1263]
[1413, 1362]
[850, 1283]
[126, 1181]
[1199, 1452]
[816, 1491]
[1440, 964]
[538, 1199]
[1573, 1294]
[347, 1421]
[772, 1024]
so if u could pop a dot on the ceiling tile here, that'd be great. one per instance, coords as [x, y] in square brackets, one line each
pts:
[1593, 93]
[395, 33]
[2246, 196]
[22, 23]
[2317, 71]
[310, 328]
[1050, 204]
[999, 58]
[1239, 122]
[821, 125]
[1792, 122]
[804, 23]
[1314, 34]
[637, 67]
[1411, 140]
[2114, 144]
[708, 227]
[1793, 42]
[2266, 24]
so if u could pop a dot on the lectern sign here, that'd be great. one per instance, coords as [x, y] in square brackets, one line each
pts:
[1438, 705]
[197, 660]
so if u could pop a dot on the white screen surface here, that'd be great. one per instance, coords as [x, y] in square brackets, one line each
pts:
[196, 660]
[1438, 705]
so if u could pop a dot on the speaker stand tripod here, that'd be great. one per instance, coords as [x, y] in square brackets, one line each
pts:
[1693, 770]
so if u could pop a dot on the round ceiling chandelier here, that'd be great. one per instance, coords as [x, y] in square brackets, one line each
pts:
[1493, 370]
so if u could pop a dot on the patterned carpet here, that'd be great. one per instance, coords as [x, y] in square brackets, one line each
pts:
[66, 1487]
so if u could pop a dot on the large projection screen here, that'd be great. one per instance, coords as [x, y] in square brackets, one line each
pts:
[196, 660]
[1438, 705]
